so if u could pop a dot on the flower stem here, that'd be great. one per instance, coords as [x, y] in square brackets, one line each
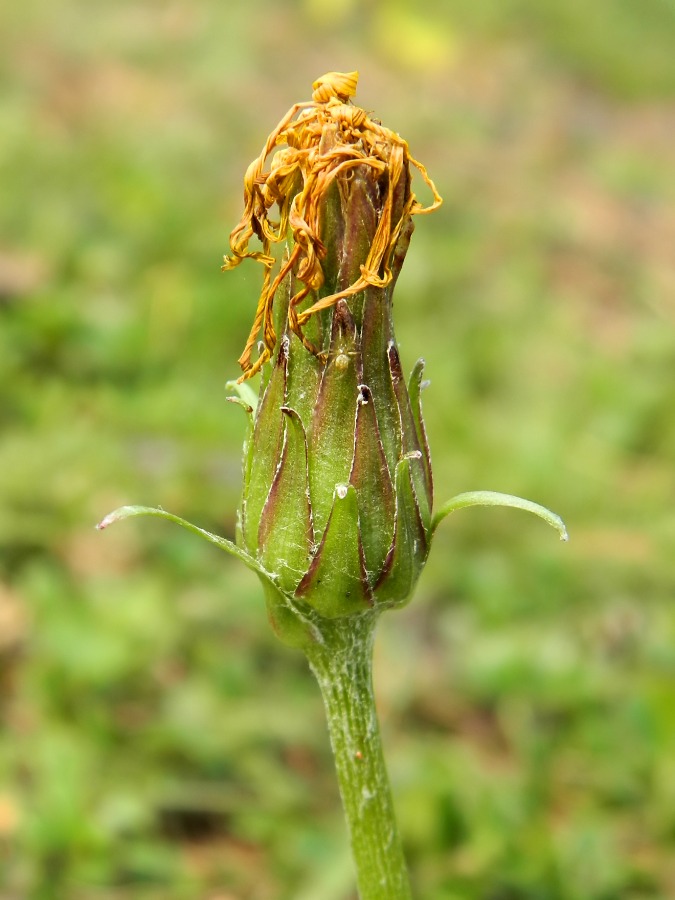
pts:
[342, 664]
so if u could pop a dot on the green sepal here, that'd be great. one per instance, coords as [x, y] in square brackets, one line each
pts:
[331, 435]
[265, 448]
[336, 583]
[279, 313]
[376, 333]
[494, 498]
[415, 388]
[304, 375]
[374, 489]
[353, 228]
[410, 546]
[285, 535]
[247, 452]
[410, 446]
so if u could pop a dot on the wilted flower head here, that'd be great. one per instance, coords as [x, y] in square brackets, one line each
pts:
[337, 475]
[322, 139]
[336, 511]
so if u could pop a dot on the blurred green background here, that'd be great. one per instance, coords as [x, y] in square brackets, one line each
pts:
[157, 741]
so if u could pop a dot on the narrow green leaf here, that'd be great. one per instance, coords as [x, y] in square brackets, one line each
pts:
[129, 512]
[493, 498]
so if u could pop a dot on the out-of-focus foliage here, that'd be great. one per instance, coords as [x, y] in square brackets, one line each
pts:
[157, 741]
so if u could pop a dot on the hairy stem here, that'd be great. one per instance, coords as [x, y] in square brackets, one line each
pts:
[342, 664]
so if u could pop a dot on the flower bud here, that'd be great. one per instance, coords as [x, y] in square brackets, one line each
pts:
[338, 492]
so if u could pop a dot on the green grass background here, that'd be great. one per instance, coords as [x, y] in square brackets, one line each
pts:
[157, 741]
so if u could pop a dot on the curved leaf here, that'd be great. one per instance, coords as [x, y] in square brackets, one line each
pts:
[494, 498]
[129, 512]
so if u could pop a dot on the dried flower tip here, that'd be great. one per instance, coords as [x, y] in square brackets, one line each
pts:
[335, 84]
[319, 140]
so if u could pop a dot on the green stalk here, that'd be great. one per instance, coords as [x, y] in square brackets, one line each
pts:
[342, 664]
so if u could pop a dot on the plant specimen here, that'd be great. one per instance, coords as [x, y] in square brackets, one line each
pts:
[336, 515]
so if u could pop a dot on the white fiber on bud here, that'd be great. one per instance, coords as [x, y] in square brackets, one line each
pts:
[364, 394]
